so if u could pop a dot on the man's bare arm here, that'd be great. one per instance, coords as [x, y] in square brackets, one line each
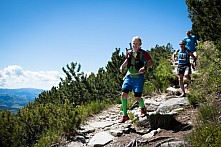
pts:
[123, 65]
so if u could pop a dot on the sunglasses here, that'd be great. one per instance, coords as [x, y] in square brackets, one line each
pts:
[181, 44]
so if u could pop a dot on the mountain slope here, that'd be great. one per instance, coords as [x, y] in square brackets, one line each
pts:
[14, 99]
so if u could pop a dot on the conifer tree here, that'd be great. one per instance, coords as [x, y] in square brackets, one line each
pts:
[206, 18]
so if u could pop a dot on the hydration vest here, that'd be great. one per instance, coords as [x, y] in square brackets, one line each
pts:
[137, 60]
[183, 56]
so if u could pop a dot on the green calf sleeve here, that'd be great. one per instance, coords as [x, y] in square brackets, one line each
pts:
[124, 106]
[141, 103]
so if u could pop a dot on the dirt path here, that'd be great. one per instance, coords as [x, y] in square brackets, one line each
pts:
[176, 133]
[131, 134]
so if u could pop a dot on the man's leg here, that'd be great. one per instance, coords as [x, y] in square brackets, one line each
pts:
[142, 106]
[124, 103]
[180, 76]
[126, 88]
[195, 54]
[138, 88]
[187, 73]
[124, 107]
[187, 76]
[181, 70]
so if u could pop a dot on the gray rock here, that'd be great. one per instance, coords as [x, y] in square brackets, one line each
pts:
[116, 133]
[86, 129]
[173, 144]
[151, 134]
[80, 138]
[173, 91]
[75, 144]
[171, 104]
[144, 121]
[101, 139]
[102, 117]
[150, 101]
[100, 124]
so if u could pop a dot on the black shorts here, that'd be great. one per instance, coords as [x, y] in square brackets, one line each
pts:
[136, 94]
[183, 67]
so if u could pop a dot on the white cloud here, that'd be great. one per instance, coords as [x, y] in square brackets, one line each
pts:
[13, 70]
[14, 76]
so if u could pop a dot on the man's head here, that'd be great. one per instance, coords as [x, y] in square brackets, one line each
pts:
[188, 32]
[182, 44]
[136, 43]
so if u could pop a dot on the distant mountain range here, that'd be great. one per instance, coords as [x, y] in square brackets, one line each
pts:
[14, 99]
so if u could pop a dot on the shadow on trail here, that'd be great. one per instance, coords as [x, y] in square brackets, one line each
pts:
[167, 122]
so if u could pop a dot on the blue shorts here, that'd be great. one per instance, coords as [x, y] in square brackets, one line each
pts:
[135, 84]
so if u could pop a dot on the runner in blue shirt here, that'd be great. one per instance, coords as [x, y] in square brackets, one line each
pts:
[191, 43]
[184, 66]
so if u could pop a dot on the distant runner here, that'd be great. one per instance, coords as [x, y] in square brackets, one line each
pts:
[184, 66]
[191, 43]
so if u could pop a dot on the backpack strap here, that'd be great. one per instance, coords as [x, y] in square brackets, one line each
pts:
[138, 63]
[137, 60]
[129, 57]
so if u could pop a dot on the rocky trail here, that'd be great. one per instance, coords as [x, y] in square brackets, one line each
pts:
[170, 118]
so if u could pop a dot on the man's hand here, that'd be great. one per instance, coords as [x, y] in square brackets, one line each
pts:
[142, 70]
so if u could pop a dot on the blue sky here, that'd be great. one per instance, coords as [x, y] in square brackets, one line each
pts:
[42, 36]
